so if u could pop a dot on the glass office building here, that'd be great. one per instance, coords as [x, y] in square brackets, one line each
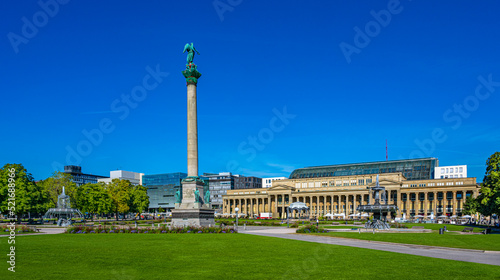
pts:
[161, 189]
[412, 169]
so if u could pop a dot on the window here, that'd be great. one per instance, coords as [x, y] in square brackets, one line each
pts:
[447, 170]
[461, 169]
[456, 169]
[442, 172]
[451, 170]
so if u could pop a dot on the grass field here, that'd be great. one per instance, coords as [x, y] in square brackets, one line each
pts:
[217, 256]
[341, 227]
[454, 240]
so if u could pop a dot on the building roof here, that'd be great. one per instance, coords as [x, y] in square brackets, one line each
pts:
[422, 168]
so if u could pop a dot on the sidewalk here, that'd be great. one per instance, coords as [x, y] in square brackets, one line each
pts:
[476, 256]
[42, 231]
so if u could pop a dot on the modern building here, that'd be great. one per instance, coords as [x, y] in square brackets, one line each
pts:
[412, 169]
[268, 182]
[134, 177]
[337, 194]
[250, 182]
[455, 171]
[80, 178]
[220, 183]
[161, 189]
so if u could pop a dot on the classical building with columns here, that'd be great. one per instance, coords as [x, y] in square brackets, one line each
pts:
[342, 194]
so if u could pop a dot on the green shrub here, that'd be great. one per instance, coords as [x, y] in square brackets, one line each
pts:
[310, 229]
[79, 229]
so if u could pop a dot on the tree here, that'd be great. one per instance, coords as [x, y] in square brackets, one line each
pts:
[471, 206]
[27, 196]
[93, 199]
[140, 199]
[53, 186]
[120, 192]
[489, 199]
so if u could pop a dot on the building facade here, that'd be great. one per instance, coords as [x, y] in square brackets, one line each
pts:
[247, 182]
[134, 177]
[342, 194]
[161, 189]
[412, 169]
[220, 183]
[455, 171]
[268, 182]
[80, 178]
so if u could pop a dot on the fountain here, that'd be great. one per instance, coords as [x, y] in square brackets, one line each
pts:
[380, 208]
[64, 213]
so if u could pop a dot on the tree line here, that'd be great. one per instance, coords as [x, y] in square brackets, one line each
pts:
[119, 196]
[487, 203]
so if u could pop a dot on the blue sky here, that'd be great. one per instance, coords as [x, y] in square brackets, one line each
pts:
[286, 84]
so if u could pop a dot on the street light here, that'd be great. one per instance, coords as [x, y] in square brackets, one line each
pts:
[236, 210]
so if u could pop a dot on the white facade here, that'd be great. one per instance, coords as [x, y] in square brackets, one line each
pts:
[455, 171]
[134, 177]
[268, 182]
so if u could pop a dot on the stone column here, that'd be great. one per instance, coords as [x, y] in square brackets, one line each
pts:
[192, 130]
[355, 196]
[454, 203]
[275, 208]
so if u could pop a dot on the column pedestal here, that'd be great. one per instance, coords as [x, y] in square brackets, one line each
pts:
[192, 211]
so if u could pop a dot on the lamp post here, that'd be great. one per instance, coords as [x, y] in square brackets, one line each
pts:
[236, 210]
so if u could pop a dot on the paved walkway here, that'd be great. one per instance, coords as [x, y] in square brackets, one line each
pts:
[42, 231]
[476, 256]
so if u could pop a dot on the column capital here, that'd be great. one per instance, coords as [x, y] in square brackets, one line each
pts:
[191, 74]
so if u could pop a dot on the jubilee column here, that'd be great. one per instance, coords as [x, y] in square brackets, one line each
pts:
[192, 207]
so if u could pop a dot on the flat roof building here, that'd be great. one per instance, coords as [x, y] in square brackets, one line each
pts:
[412, 169]
[161, 189]
[455, 171]
[220, 183]
[80, 178]
[342, 194]
[268, 182]
[134, 177]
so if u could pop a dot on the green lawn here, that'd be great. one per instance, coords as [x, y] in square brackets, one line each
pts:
[217, 256]
[448, 227]
[341, 227]
[455, 240]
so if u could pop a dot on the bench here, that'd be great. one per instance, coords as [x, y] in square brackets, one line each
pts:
[418, 227]
[357, 223]
[468, 229]
[335, 223]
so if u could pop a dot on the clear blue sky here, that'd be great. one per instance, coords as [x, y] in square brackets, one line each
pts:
[412, 77]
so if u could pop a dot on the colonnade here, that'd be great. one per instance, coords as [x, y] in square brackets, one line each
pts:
[408, 201]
